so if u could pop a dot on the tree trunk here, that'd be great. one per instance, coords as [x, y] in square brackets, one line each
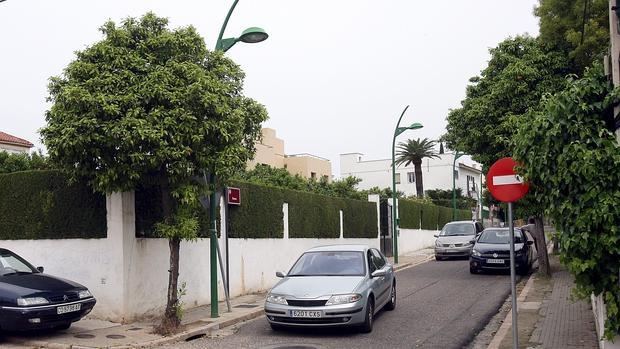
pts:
[419, 184]
[541, 246]
[171, 318]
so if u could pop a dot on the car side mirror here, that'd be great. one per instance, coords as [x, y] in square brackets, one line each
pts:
[280, 274]
[378, 273]
[40, 269]
[530, 242]
[436, 235]
[472, 241]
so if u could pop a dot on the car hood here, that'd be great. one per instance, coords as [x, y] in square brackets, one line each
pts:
[456, 239]
[36, 283]
[490, 248]
[316, 286]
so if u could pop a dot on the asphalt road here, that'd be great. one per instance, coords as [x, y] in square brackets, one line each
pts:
[439, 305]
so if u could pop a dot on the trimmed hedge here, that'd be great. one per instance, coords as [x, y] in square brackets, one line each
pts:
[44, 205]
[445, 216]
[410, 213]
[312, 215]
[260, 213]
[430, 217]
[359, 219]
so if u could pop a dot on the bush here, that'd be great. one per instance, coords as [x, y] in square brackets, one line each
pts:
[312, 215]
[445, 216]
[260, 213]
[410, 214]
[359, 219]
[44, 205]
[430, 217]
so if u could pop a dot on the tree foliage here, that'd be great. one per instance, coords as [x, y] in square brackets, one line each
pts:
[519, 73]
[23, 162]
[412, 152]
[147, 103]
[441, 197]
[577, 28]
[573, 160]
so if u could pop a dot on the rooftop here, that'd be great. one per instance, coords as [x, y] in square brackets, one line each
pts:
[9, 139]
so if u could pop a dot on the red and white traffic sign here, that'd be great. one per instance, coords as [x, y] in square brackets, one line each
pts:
[504, 183]
[234, 196]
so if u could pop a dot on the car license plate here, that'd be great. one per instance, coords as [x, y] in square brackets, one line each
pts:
[451, 251]
[495, 261]
[68, 308]
[305, 313]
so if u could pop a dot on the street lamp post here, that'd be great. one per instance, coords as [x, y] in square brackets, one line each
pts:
[250, 35]
[398, 130]
[456, 156]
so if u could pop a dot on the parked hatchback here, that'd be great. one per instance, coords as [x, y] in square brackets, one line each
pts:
[30, 299]
[454, 239]
[492, 251]
[336, 285]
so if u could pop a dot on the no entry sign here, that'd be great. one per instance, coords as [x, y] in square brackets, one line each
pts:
[504, 183]
[234, 196]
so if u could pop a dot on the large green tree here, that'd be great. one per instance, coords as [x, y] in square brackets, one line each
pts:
[520, 72]
[577, 28]
[413, 152]
[573, 158]
[152, 104]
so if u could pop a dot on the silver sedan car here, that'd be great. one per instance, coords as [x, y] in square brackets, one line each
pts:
[333, 286]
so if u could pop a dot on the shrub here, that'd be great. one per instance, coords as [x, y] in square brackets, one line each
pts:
[44, 205]
[359, 219]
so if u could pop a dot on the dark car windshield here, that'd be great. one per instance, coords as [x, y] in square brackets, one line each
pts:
[499, 236]
[329, 263]
[11, 263]
[457, 229]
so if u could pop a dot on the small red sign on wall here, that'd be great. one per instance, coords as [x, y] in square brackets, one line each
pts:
[234, 196]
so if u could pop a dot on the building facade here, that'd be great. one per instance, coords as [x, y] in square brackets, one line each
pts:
[270, 151]
[14, 144]
[436, 174]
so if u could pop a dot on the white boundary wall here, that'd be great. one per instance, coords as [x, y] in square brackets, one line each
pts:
[599, 308]
[129, 275]
[410, 240]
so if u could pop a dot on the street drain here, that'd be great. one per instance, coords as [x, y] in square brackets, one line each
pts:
[247, 306]
[135, 329]
[194, 337]
[84, 336]
[115, 336]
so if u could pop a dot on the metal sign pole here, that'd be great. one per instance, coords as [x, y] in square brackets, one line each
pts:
[513, 287]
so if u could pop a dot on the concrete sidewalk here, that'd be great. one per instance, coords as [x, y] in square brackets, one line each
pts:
[548, 317]
[90, 333]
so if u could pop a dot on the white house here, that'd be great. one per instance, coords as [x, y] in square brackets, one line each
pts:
[14, 144]
[436, 173]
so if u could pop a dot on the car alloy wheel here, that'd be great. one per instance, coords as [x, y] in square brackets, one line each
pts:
[391, 305]
[370, 311]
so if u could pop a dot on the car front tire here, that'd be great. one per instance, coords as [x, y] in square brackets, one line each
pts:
[370, 314]
[64, 326]
[391, 305]
[437, 258]
[473, 270]
[276, 328]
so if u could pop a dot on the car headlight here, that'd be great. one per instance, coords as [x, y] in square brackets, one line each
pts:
[25, 302]
[344, 299]
[273, 298]
[476, 253]
[84, 294]
[437, 243]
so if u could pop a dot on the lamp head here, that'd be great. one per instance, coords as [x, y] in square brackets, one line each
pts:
[253, 35]
[415, 126]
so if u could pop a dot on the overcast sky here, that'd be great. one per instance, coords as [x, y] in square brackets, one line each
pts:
[334, 74]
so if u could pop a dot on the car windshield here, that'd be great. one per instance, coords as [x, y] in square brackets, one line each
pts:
[499, 236]
[329, 263]
[11, 263]
[457, 229]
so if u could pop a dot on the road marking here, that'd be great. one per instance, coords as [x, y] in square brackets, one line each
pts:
[507, 180]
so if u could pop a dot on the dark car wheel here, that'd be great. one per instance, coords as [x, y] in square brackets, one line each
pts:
[437, 258]
[473, 270]
[391, 305]
[370, 313]
[523, 270]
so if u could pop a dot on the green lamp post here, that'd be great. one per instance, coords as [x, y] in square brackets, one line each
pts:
[398, 130]
[457, 155]
[251, 35]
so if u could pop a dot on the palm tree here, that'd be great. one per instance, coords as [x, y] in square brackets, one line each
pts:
[412, 152]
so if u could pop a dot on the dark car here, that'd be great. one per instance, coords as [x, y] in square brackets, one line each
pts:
[30, 299]
[492, 251]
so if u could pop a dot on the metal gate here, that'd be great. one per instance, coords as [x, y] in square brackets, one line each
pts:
[385, 210]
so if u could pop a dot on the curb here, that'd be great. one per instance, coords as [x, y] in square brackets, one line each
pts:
[182, 336]
[402, 266]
